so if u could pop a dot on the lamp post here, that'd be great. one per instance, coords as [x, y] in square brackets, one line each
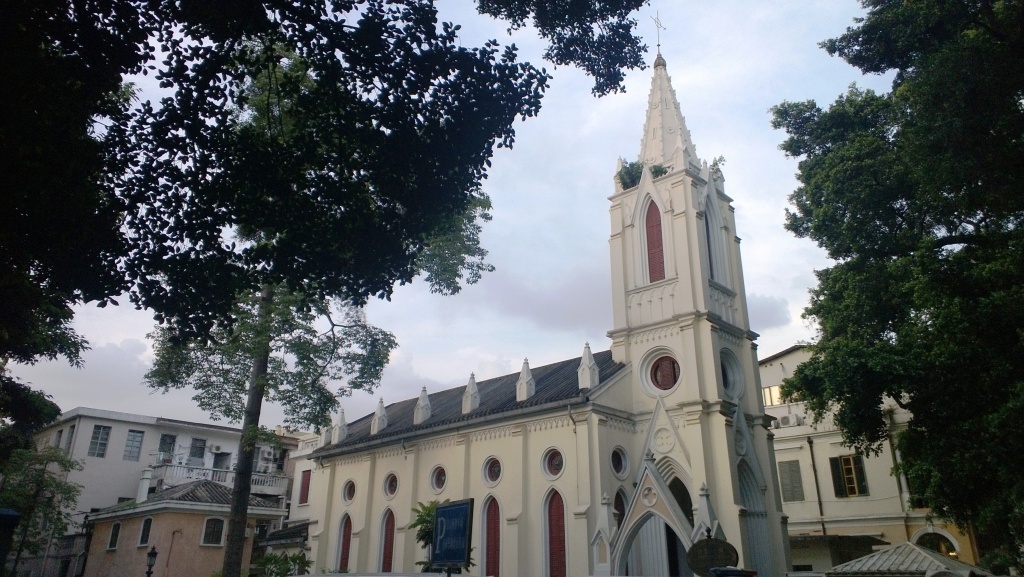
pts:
[150, 561]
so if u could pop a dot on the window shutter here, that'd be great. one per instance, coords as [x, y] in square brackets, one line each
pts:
[655, 248]
[837, 476]
[304, 488]
[789, 479]
[858, 470]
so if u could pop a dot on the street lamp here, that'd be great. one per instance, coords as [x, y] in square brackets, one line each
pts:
[150, 561]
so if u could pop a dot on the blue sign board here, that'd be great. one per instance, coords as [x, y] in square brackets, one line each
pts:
[452, 530]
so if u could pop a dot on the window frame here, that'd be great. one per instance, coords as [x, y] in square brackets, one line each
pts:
[305, 480]
[100, 441]
[114, 536]
[848, 472]
[206, 531]
[145, 531]
[136, 448]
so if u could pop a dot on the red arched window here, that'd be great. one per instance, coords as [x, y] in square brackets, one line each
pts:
[346, 544]
[655, 249]
[492, 540]
[387, 550]
[556, 536]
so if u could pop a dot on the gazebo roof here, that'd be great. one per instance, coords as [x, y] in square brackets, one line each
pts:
[905, 559]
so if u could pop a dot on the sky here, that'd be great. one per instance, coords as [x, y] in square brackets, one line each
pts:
[730, 61]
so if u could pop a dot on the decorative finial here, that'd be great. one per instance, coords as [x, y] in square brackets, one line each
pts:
[658, 28]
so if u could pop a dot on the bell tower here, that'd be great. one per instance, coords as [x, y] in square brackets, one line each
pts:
[681, 324]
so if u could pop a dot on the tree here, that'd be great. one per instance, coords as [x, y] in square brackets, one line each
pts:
[275, 352]
[917, 195]
[33, 483]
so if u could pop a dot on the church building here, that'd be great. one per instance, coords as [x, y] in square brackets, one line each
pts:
[612, 463]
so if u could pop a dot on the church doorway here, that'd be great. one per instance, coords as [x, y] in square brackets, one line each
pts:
[656, 551]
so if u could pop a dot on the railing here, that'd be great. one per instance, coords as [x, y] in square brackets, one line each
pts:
[179, 474]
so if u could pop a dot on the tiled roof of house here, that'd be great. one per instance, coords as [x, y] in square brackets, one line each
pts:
[203, 491]
[554, 382]
[904, 559]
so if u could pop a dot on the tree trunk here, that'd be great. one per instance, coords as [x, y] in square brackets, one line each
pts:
[247, 445]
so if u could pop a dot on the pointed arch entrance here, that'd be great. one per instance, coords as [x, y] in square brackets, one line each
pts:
[655, 534]
[555, 535]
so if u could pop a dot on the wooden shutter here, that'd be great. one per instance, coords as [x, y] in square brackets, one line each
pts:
[556, 536]
[790, 482]
[388, 550]
[838, 482]
[655, 248]
[346, 543]
[304, 487]
[858, 471]
[493, 539]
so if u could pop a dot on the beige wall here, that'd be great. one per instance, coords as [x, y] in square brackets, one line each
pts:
[177, 537]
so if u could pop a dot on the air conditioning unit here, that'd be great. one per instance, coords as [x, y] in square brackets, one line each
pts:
[215, 448]
[790, 421]
[268, 454]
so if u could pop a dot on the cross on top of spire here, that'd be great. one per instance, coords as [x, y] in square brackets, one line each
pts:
[658, 27]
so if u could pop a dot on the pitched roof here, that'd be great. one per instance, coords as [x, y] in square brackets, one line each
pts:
[554, 382]
[203, 492]
[905, 559]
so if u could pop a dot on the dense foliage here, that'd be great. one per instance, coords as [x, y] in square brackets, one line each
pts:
[918, 195]
[394, 123]
[34, 483]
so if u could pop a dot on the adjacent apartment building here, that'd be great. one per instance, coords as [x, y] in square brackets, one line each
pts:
[116, 448]
[840, 504]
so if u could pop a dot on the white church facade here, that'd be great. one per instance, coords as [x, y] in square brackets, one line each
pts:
[613, 463]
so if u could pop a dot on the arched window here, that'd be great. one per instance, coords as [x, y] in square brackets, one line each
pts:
[345, 545]
[619, 508]
[556, 535]
[387, 548]
[492, 539]
[655, 247]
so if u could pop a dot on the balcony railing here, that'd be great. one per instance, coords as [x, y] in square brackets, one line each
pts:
[261, 483]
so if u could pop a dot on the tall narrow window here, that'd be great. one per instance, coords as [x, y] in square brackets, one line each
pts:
[346, 543]
[711, 246]
[655, 247]
[115, 532]
[304, 487]
[133, 446]
[98, 443]
[619, 508]
[387, 549]
[147, 525]
[492, 539]
[197, 453]
[56, 442]
[848, 477]
[556, 536]
[71, 436]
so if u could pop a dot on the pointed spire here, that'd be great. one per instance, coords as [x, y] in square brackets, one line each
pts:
[380, 418]
[704, 517]
[666, 139]
[341, 426]
[587, 373]
[470, 398]
[525, 386]
[422, 412]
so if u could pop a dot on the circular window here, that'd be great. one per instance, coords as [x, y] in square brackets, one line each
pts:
[390, 485]
[492, 470]
[620, 465]
[553, 463]
[438, 477]
[665, 373]
[348, 492]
